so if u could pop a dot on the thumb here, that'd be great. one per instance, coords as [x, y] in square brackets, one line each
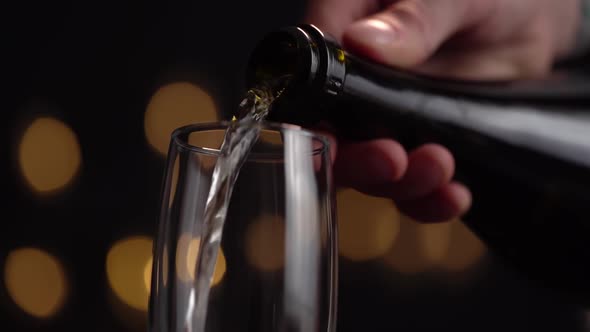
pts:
[334, 16]
[408, 32]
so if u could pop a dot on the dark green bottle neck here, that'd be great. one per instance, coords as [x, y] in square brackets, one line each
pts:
[551, 124]
[325, 82]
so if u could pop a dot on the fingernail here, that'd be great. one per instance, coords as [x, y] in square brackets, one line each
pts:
[372, 31]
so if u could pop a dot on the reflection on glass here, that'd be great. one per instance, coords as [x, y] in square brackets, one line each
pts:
[278, 244]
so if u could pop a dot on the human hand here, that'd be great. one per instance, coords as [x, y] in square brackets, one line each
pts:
[466, 39]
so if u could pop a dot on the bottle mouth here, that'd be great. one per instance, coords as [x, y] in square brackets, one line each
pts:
[292, 64]
[290, 54]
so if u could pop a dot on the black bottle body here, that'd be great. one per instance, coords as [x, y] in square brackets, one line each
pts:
[522, 149]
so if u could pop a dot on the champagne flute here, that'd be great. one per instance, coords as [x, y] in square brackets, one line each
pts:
[276, 266]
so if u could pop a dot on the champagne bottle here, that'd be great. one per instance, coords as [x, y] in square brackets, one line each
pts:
[521, 147]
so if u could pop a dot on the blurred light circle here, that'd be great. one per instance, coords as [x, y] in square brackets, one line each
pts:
[35, 281]
[448, 245]
[49, 154]
[186, 259]
[125, 266]
[434, 241]
[175, 105]
[147, 274]
[465, 248]
[367, 226]
[265, 243]
[405, 256]
[185, 241]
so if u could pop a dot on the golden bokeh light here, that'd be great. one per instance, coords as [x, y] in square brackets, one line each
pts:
[147, 274]
[208, 139]
[175, 105]
[35, 281]
[271, 137]
[465, 249]
[49, 154]
[187, 253]
[405, 256]
[367, 226]
[265, 243]
[125, 266]
[434, 241]
[450, 246]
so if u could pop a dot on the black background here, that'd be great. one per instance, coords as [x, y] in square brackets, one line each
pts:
[94, 65]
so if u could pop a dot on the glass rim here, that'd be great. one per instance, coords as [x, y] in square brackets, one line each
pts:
[266, 125]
